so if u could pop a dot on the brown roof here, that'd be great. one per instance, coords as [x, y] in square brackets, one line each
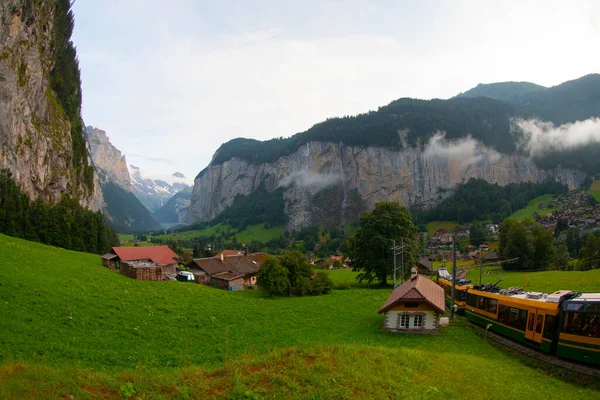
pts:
[227, 253]
[158, 254]
[109, 256]
[240, 264]
[417, 288]
[228, 276]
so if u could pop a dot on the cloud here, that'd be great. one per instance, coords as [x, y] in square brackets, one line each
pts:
[314, 181]
[540, 137]
[464, 150]
[156, 176]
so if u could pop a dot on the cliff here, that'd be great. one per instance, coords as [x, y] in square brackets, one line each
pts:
[40, 140]
[332, 184]
[109, 162]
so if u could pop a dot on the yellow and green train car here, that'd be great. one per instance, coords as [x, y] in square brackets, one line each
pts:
[460, 295]
[564, 323]
[579, 336]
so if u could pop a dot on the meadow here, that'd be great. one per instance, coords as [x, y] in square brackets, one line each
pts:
[533, 207]
[595, 190]
[70, 328]
[434, 226]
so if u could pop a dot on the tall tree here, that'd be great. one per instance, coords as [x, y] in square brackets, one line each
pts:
[273, 277]
[371, 247]
[477, 234]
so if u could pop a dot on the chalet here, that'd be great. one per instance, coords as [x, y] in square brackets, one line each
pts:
[415, 306]
[229, 281]
[425, 266]
[242, 265]
[160, 256]
[491, 256]
[474, 255]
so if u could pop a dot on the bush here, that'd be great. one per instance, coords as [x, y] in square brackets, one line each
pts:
[321, 283]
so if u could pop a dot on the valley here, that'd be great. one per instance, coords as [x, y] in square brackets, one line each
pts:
[100, 334]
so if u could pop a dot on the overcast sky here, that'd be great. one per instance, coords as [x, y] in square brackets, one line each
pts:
[171, 81]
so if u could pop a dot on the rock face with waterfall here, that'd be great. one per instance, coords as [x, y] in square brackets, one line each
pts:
[332, 184]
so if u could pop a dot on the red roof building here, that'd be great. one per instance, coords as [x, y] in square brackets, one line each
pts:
[162, 255]
[414, 306]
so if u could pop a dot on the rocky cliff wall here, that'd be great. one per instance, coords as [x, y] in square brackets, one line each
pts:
[109, 162]
[332, 184]
[35, 140]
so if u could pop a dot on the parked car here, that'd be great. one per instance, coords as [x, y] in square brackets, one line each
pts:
[185, 276]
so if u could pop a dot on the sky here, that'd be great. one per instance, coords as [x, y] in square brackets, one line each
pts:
[171, 81]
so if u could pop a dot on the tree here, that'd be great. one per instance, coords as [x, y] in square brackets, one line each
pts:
[321, 284]
[371, 247]
[273, 277]
[477, 234]
[299, 270]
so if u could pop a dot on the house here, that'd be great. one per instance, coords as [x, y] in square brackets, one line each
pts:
[161, 256]
[474, 255]
[491, 256]
[415, 306]
[229, 281]
[244, 265]
[425, 266]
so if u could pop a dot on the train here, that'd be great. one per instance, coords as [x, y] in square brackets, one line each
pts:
[564, 323]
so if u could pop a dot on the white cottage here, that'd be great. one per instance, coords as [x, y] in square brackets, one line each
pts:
[415, 306]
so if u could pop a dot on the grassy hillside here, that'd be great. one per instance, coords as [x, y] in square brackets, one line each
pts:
[434, 226]
[532, 206]
[72, 328]
[595, 190]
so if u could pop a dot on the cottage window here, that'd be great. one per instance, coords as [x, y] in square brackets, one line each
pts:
[404, 320]
[418, 321]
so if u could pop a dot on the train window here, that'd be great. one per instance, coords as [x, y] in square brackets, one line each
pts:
[462, 296]
[539, 323]
[574, 306]
[531, 322]
[582, 324]
[491, 306]
[512, 316]
[593, 308]
[472, 300]
[549, 327]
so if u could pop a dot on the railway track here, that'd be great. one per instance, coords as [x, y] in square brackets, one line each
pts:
[547, 358]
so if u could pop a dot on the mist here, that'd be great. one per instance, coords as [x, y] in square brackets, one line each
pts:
[464, 149]
[541, 137]
[314, 181]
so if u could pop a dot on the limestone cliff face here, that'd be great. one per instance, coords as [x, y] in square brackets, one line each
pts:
[332, 184]
[35, 139]
[109, 162]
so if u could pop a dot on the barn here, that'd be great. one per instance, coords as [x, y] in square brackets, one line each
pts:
[415, 306]
[140, 260]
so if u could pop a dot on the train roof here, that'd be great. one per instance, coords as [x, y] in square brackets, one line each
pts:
[595, 297]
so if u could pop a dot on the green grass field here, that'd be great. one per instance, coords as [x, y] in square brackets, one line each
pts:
[532, 206]
[595, 190]
[70, 328]
[434, 226]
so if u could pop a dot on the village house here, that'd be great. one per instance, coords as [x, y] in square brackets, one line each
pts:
[415, 306]
[491, 256]
[244, 266]
[425, 266]
[133, 260]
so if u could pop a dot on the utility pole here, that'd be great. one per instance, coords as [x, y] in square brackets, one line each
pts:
[394, 252]
[453, 274]
[402, 259]
[481, 267]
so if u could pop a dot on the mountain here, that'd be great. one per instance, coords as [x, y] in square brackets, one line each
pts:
[505, 91]
[154, 193]
[412, 151]
[123, 211]
[176, 208]
[41, 130]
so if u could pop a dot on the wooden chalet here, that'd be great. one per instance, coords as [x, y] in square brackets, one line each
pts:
[415, 306]
[425, 266]
[161, 259]
[229, 281]
[491, 256]
[209, 270]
